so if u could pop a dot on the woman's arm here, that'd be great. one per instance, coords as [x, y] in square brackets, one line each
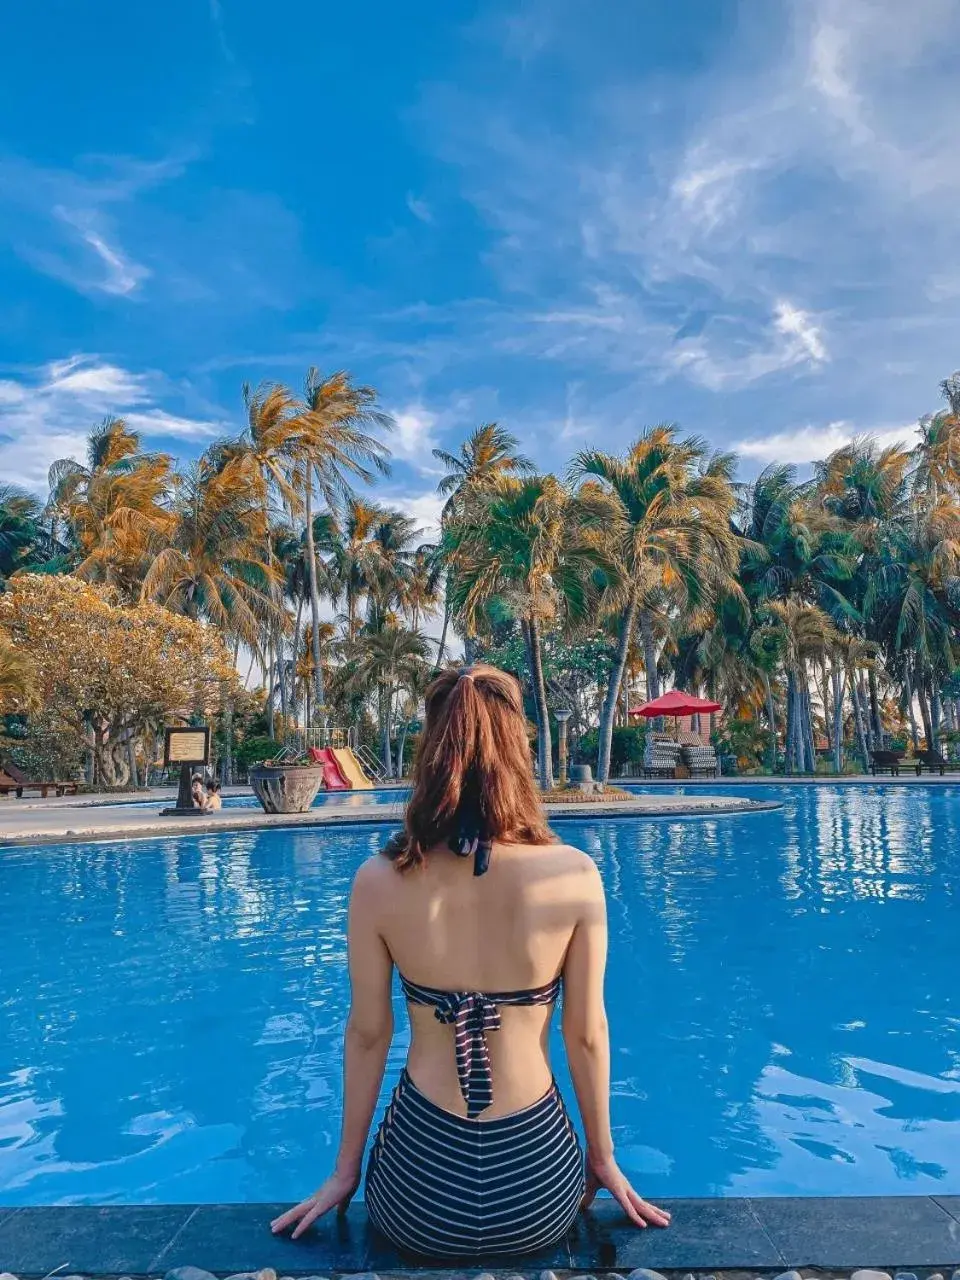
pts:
[586, 1038]
[367, 1039]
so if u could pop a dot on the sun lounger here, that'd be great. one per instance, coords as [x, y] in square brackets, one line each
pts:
[933, 762]
[886, 762]
[15, 780]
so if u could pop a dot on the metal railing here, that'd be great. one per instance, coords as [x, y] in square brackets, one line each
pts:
[371, 765]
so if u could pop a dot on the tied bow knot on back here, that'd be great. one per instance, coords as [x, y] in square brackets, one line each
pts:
[472, 1014]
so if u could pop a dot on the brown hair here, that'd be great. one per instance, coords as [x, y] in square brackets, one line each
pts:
[473, 760]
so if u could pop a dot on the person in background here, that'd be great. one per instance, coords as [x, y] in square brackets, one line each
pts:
[213, 801]
[196, 791]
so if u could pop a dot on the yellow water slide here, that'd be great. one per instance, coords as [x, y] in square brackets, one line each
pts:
[350, 768]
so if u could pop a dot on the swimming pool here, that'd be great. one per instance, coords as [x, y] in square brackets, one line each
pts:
[782, 993]
[347, 799]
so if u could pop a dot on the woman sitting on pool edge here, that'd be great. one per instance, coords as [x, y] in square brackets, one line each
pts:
[484, 915]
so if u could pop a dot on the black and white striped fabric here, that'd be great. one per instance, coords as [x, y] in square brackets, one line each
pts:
[444, 1186]
[472, 1014]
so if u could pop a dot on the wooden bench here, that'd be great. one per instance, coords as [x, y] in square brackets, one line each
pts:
[15, 780]
[932, 761]
[886, 762]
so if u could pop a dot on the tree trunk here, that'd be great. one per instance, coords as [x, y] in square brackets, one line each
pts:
[810, 749]
[649, 654]
[925, 713]
[790, 753]
[544, 743]
[270, 687]
[772, 721]
[935, 714]
[838, 680]
[442, 646]
[131, 745]
[856, 702]
[613, 690]
[911, 712]
[385, 751]
[226, 760]
[875, 707]
[317, 681]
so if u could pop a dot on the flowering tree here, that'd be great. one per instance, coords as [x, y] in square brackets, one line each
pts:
[107, 676]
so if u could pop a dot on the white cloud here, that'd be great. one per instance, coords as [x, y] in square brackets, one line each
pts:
[412, 440]
[47, 413]
[156, 422]
[64, 222]
[811, 444]
[121, 274]
[420, 208]
[793, 341]
[423, 507]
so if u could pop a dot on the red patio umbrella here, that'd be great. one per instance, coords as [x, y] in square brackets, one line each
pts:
[675, 703]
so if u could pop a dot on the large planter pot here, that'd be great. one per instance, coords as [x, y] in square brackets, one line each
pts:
[286, 788]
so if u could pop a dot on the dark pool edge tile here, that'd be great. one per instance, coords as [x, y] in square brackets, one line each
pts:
[749, 1202]
[950, 1206]
[155, 1262]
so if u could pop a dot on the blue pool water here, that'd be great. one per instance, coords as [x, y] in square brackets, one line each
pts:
[782, 992]
[337, 799]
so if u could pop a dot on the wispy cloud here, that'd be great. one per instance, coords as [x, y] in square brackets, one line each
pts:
[46, 413]
[420, 209]
[732, 227]
[810, 444]
[65, 223]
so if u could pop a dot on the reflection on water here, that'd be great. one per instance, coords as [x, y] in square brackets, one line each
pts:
[782, 998]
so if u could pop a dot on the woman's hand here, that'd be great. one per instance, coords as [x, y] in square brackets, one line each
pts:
[336, 1192]
[607, 1174]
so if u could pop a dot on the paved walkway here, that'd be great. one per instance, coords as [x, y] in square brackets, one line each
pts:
[33, 821]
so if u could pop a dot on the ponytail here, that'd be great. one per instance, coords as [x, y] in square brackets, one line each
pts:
[473, 777]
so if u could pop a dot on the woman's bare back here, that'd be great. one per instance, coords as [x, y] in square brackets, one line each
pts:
[508, 930]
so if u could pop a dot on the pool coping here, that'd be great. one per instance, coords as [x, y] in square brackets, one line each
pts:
[759, 1235]
[228, 820]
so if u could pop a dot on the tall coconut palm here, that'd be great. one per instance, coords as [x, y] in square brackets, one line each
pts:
[263, 458]
[543, 551]
[336, 446]
[113, 505]
[673, 505]
[805, 634]
[487, 456]
[212, 563]
[938, 452]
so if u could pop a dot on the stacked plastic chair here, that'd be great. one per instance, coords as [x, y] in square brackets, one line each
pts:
[660, 756]
[700, 758]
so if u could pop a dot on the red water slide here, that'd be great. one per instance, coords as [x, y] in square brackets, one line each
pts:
[334, 779]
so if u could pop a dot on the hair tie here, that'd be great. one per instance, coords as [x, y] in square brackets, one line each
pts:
[466, 673]
[471, 839]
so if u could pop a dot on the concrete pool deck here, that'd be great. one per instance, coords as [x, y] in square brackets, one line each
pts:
[89, 818]
[708, 1235]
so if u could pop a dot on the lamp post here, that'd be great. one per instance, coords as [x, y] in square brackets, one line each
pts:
[561, 718]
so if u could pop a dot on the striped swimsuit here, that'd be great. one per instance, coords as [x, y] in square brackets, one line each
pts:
[443, 1185]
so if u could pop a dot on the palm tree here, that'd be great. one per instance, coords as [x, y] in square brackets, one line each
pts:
[487, 456]
[540, 549]
[938, 453]
[804, 634]
[370, 558]
[335, 447]
[673, 505]
[113, 505]
[24, 543]
[388, 658]
[211, 564]
[263, 458]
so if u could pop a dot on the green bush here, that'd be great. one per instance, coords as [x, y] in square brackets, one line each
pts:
[253, 750]
[626, 747]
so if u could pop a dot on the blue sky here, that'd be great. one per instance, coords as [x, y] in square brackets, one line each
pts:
[574, 218]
